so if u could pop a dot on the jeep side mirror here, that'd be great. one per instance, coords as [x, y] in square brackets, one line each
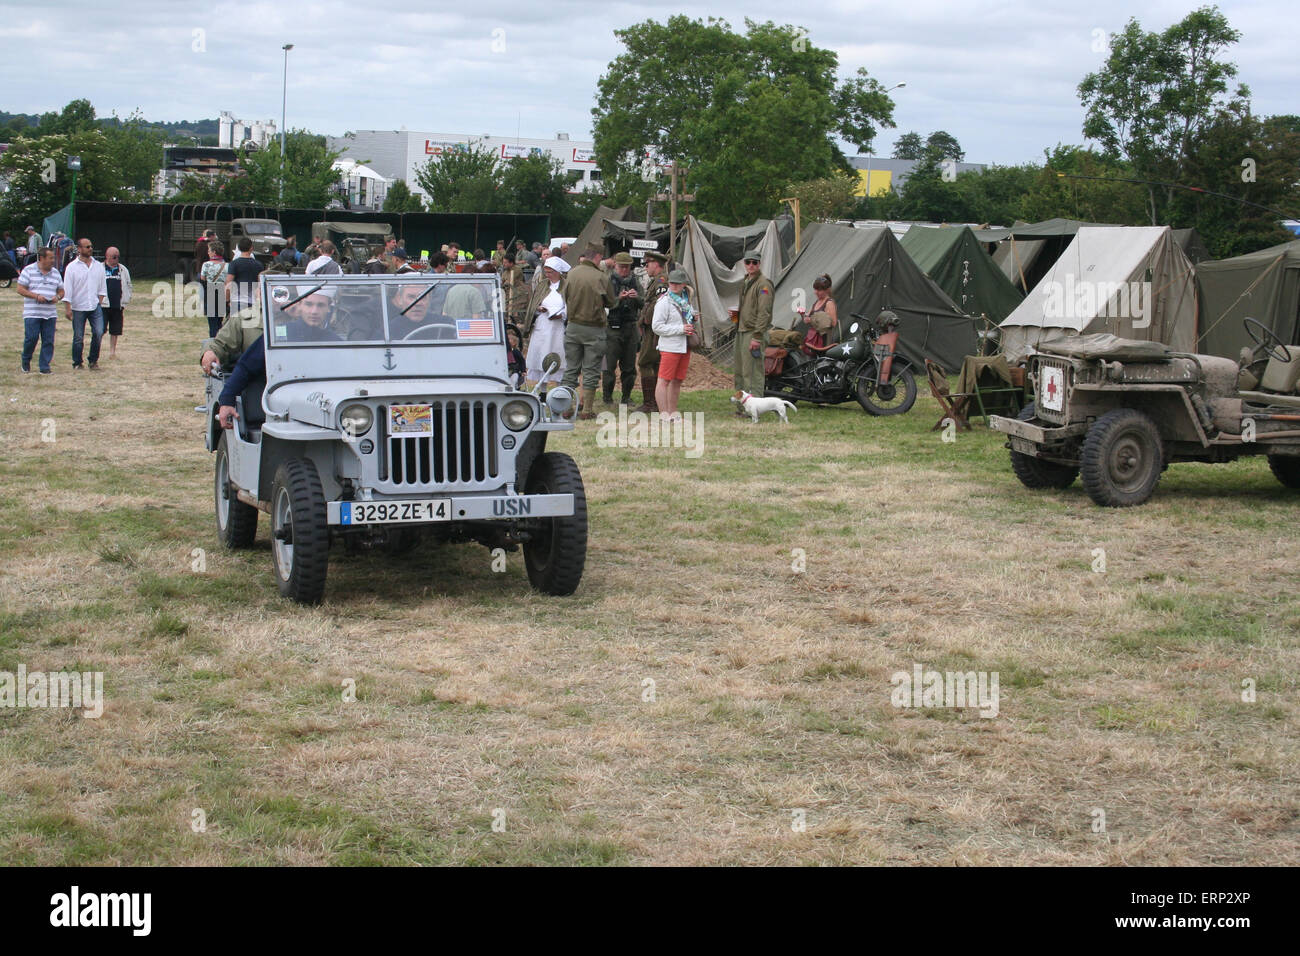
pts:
[550, 363]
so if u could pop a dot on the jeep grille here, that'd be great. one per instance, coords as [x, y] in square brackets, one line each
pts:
[1040, 410]
[462, 449]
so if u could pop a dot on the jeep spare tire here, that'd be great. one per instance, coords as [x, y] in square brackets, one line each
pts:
[300, 534]
[1122, 459]
[236, 521]
[556, 552]
[1036, 473]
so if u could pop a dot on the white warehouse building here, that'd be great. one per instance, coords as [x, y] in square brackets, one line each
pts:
[396, 154]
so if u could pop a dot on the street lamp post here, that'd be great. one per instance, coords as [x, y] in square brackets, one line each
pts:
[284, 99]
[74, 164]
[896, 86]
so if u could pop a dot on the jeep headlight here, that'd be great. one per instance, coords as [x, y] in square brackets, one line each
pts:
[559, 400]
[356, 419]
[517, 415]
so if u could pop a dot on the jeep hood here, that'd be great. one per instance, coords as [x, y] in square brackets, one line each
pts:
[317, 402]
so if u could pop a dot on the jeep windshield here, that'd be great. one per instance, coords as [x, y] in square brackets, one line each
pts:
[331, 311]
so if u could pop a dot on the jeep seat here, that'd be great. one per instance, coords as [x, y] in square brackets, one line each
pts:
[1282, 376]
[249, 406]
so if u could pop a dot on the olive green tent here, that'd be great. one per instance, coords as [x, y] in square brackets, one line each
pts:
[594, 231]
[869, 273]
[1262, 285]
[952, 257]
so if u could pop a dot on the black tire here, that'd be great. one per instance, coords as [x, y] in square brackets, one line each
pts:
[300, 536]
[1286, 469]
[557, 552]
[894, 398]
[1036, 473]
[1122, 459]
[236, 521]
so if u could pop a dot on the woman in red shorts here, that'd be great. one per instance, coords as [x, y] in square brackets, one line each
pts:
[673, 320]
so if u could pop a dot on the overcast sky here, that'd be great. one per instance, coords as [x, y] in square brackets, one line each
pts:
[1001, 76]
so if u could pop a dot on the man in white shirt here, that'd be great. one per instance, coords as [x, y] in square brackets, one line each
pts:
[42, 286]
[86, 292]
[324, 263]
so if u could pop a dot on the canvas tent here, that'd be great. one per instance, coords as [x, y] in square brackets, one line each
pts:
[729, 243]
[1193, 246]
[594, 230]
[1262, 285]
[952, 257]
[869, 273]
[1027, 250]
[1130, 281]
[716, 285]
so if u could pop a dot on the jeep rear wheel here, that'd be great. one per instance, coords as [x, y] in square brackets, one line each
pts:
[1036, 473]
[1286, 469]
[556, 553]
[300, 536]
[1122, 459]
[236, 521]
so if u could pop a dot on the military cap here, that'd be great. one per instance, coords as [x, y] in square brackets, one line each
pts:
[623, 259]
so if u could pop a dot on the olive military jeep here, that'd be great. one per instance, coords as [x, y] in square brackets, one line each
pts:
[1119, 411]
[387, 414]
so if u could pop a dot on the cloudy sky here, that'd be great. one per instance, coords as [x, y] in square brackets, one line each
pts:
[1000, 77]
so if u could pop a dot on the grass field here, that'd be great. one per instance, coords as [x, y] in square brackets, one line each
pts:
[480, 701]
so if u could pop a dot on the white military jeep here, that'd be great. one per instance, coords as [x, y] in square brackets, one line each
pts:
[387, 413]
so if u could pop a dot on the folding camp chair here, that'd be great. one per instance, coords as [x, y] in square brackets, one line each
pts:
[989, 385]
[953, 405]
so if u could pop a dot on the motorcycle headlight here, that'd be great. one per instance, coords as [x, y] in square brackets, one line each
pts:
[356, 419]
[517, 415]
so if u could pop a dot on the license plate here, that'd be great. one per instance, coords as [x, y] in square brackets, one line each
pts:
[394, 512]
[1023, 445]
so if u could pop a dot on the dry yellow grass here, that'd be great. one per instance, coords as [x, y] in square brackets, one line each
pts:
[1120, 691]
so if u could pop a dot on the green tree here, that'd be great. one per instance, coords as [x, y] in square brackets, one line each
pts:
[1155, 94]
[461, 180]
[909, 146]
[1078, 183]
[743, 113]
[534, 183]
[310, 179]
[401, 199]
[137, 150]
[40, 182]
[943, 145]
[830, 197]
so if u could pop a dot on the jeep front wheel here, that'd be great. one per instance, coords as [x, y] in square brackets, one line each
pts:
[1286, 469]
[556, 553]
[1122, 459]
[236, 521]
[300, 536]
[1036, 473]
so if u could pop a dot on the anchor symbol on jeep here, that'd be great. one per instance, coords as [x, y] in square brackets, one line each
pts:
[388, 360]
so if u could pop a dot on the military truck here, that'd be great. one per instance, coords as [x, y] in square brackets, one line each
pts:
[353, 240]
[231, 222]
[1119, 411]
[387, 414]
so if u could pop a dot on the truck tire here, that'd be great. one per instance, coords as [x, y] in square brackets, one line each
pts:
[236, 521]
[556, 553]
[1122, 459]
[300, 535]
[1036, 473]
[1286, 469]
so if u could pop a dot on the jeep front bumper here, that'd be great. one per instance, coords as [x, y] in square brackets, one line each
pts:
[411, 510]
[1038, 434]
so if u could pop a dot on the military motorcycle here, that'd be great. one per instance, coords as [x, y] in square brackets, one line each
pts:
[866, 368]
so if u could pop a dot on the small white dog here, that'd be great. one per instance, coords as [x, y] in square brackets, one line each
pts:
[756, 406]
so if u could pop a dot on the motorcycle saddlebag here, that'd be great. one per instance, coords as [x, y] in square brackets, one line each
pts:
[773, 360]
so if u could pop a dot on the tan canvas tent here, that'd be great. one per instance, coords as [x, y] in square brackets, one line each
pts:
[1131, 281]
[1263, 285]
[717, 286]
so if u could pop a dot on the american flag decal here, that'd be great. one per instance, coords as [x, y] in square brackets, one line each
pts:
[474, 329]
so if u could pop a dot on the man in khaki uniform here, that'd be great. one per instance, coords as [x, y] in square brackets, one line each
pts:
[514, 292]
[621, 336]
[751, 331]
[647, 359]
[587, 294]
[241, 330]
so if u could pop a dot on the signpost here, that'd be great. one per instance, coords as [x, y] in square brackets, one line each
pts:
[672, 197]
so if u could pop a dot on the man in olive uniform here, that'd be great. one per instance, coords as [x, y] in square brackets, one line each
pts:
[753, 327]
[621, 334]
[647, 359]
[514, 292]
[587, 294]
